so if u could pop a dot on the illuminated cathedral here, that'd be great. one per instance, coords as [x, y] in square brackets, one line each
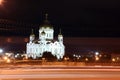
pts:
[45, 42]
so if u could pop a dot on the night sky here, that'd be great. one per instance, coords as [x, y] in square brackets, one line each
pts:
[87, 25]
[76, 18]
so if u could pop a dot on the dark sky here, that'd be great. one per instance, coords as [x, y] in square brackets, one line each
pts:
[77, 18]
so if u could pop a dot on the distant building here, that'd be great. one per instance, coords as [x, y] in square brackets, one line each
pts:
[45, 43]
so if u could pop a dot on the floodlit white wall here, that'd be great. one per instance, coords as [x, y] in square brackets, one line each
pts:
[45, 43]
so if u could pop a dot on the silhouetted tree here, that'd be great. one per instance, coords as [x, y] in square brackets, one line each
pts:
[49, 57]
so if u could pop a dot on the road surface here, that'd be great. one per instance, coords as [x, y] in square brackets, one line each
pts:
[60, 73]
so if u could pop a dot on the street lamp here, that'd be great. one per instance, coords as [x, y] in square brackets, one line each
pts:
[113, 60]
[96, 53]
[86, 59]
[96, 58]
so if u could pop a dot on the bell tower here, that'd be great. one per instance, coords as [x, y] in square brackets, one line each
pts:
[32, 36]
[60, 37]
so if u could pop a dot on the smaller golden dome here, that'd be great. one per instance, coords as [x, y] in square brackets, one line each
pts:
[60, 34]
[32, 33]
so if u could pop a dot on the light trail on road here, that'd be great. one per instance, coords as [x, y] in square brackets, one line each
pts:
[65, 74]
[49, 73]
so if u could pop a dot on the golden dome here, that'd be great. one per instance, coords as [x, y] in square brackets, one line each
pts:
[32, 33]
[46, 23]
[60, 34]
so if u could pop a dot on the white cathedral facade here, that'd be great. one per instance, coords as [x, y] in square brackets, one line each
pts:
[45, 42]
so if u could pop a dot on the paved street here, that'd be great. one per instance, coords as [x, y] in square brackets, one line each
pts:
[58, 73]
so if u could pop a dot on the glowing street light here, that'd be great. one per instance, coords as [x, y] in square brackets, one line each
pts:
[113, 60]
[96, 53]
[5, 57]
[1, 50]
[86, 59]
[1, 2]
[8, 61]
[96, 58]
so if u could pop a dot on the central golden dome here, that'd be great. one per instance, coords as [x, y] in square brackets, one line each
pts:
[46, 23]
